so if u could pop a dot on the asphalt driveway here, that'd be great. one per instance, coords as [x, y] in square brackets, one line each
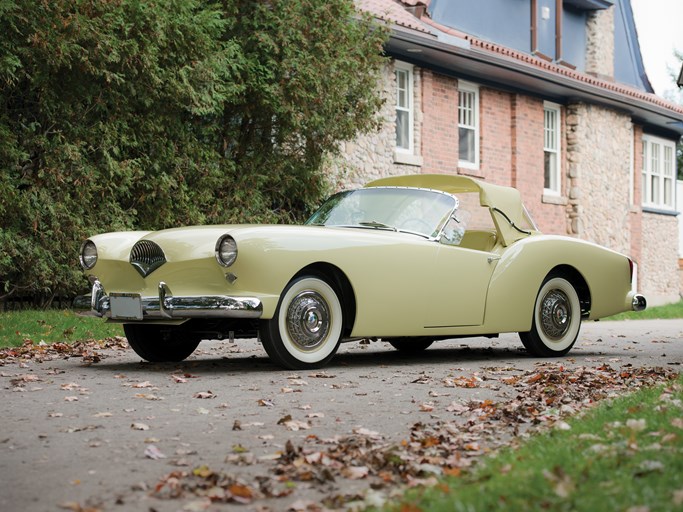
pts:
[104, 431]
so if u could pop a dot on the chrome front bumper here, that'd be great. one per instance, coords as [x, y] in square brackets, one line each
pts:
[165, 306]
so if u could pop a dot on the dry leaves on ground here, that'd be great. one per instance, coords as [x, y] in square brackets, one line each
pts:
[87, 350]
[543, 396]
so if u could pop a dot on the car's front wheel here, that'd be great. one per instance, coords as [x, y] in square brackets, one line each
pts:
[306, 329]
[160, 343]
[556, 321]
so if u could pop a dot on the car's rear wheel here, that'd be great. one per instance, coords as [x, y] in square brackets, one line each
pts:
[161, 343]
[411, 345]
[306, 329]
[557, 319]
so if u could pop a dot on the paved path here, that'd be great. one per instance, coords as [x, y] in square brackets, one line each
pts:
[104, 435]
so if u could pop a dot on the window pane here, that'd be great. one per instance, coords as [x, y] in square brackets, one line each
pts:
[644, 155]
[466, 145]
[466, 109]
[404, 109]
[654, 189]
[654, 158]
[550, 170]
[668, 161]
[551, 146]
[403, 129]
[668, 192]
[402, 88]
[550, 131]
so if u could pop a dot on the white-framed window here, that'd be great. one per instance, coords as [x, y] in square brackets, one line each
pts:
[659, 173]
[552, 181]
[468, 125]
[404, 107]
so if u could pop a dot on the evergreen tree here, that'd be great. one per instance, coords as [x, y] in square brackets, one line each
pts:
[136, 115]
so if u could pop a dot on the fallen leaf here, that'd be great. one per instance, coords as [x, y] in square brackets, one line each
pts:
[562, 483]
[152, 452]
[204, 395]
[322, 375]
[636, 425]
[457, 408]
[148, 396]
[355, 472]
[678, 498]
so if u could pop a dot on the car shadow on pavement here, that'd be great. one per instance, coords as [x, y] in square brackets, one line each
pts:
[444, 354]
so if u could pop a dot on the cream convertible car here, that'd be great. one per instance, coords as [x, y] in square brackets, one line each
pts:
[409, 259]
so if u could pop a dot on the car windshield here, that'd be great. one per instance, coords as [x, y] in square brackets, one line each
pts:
[418, 211]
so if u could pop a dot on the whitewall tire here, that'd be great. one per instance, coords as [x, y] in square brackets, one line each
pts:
[307, 326]
[556, 321]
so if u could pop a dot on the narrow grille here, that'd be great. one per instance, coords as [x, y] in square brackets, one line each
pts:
[146, 257]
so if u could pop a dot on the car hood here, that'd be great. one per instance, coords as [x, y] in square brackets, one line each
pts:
[197, 242]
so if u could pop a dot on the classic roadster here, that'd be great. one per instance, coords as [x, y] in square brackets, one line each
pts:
[409, 260]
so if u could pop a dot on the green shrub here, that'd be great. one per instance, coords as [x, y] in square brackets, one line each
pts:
[130, 115]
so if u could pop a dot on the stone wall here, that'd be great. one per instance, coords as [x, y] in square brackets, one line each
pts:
[599, 146]
[371, 156]
[658, 270]
[603, 151]
[600, 43]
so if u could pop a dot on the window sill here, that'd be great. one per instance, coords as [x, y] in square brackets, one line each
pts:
[553, 199]
[407, 159]
[658, 211]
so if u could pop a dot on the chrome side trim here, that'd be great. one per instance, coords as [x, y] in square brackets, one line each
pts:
[166, 306]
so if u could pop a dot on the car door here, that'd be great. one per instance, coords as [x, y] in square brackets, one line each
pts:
[458, 286]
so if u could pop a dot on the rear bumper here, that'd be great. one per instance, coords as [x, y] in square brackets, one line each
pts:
[165, 305]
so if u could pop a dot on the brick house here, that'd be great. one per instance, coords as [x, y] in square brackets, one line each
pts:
[548, 96]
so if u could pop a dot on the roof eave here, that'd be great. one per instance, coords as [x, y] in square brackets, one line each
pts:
[464, 61]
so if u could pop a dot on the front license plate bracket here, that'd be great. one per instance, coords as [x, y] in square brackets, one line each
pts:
[125, 306]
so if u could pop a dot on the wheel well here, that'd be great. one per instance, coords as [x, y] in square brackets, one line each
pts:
[578, 282]
[337, 279]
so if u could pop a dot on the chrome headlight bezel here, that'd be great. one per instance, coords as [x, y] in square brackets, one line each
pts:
[226, 251]
[88, 255]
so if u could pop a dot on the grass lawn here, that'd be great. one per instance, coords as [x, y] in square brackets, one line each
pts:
[51, 326]
[623, 455]
[674, 310]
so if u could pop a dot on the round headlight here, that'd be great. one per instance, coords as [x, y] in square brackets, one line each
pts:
[88, 255]
[226, 250]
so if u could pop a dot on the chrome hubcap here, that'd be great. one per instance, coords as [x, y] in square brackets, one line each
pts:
[308, 320]
[556, 314]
